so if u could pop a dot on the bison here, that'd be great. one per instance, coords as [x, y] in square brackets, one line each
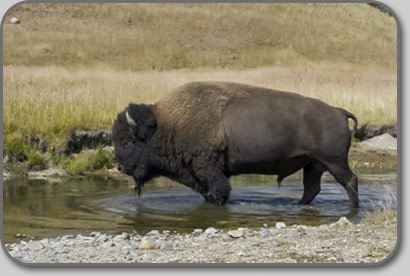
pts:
[202, 133]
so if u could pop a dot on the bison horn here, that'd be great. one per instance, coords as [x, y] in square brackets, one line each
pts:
[130, 121]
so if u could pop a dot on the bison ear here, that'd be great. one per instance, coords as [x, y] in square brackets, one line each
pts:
[141, 120]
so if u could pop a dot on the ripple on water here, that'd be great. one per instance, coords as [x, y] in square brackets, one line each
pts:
[248, 205]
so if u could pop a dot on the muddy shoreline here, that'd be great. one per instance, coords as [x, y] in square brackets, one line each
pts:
[339, 242]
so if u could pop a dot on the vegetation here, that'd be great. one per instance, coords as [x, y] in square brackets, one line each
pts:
[100, 159]
[80, 163]
[386, 213]
[34, 159]
[75, 165]
[16, 147]
[75, 66]
[381, 216]
[53, 102]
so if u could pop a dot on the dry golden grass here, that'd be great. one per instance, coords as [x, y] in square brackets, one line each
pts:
[53, 101]
[141, 37]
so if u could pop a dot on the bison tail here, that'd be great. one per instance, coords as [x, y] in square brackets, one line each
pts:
[351, 116]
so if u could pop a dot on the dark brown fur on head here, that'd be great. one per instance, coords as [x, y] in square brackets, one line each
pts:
[132, 141]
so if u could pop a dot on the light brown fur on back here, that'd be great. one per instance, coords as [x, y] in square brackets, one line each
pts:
[192, 114]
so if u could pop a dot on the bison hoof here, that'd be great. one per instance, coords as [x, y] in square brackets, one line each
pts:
[216, 200]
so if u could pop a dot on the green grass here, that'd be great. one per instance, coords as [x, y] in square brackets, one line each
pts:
[34, 159]
[75, 165]
[15, 146]
[80, 163]
[100, 159]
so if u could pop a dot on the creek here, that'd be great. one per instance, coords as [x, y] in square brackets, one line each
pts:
[47, 209]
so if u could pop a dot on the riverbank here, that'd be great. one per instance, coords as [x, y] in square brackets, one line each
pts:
[370, 241]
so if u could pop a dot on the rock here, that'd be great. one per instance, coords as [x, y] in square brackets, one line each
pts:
[20, 236]
[88, 239]
[201, 238]
[117, 239]
[38, 143]
[102, 238]
[46, 173]
[147, 244]
[266, 232]
[197, 232]
[301, 228]
[95, 234]
[381, 142]
[236, 233]
[265, 225]
[166, 246]
[280, 225]
[14, 20]
[343, 221]
[44, 241]
[323, 227]
[153, 233]
[125, 251]
[211, 231]
[125, 236]
[35, 245]
[88, 139]
[333, 225]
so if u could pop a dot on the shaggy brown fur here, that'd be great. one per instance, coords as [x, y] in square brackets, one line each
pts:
[192, 114]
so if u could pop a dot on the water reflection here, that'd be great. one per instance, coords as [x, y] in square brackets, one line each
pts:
[43, 209]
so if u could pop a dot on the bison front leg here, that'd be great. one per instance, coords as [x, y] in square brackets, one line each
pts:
[217, 189]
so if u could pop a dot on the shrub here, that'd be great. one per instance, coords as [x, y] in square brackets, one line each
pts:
[16, 146]
[100, 159]
[75, 165]
[34, 159]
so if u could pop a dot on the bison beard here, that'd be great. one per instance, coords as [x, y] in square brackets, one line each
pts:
[202, 133]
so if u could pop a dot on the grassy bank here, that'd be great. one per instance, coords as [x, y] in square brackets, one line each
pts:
[53, 101]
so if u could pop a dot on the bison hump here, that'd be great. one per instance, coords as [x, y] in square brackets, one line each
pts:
[191, 115]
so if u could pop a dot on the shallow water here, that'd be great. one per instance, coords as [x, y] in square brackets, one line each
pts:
[38, 208]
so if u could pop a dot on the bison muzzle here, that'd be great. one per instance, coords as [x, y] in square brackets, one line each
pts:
[202, 133]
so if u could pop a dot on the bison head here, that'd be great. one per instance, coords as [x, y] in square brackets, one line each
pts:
[131, 134]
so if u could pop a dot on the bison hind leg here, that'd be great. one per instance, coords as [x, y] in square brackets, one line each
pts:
[344, 175]
[312, 174]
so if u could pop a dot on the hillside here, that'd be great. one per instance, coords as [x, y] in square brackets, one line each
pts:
[72, 67]
[141, 37]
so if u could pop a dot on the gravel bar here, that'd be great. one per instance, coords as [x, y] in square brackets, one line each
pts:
[339, 242]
